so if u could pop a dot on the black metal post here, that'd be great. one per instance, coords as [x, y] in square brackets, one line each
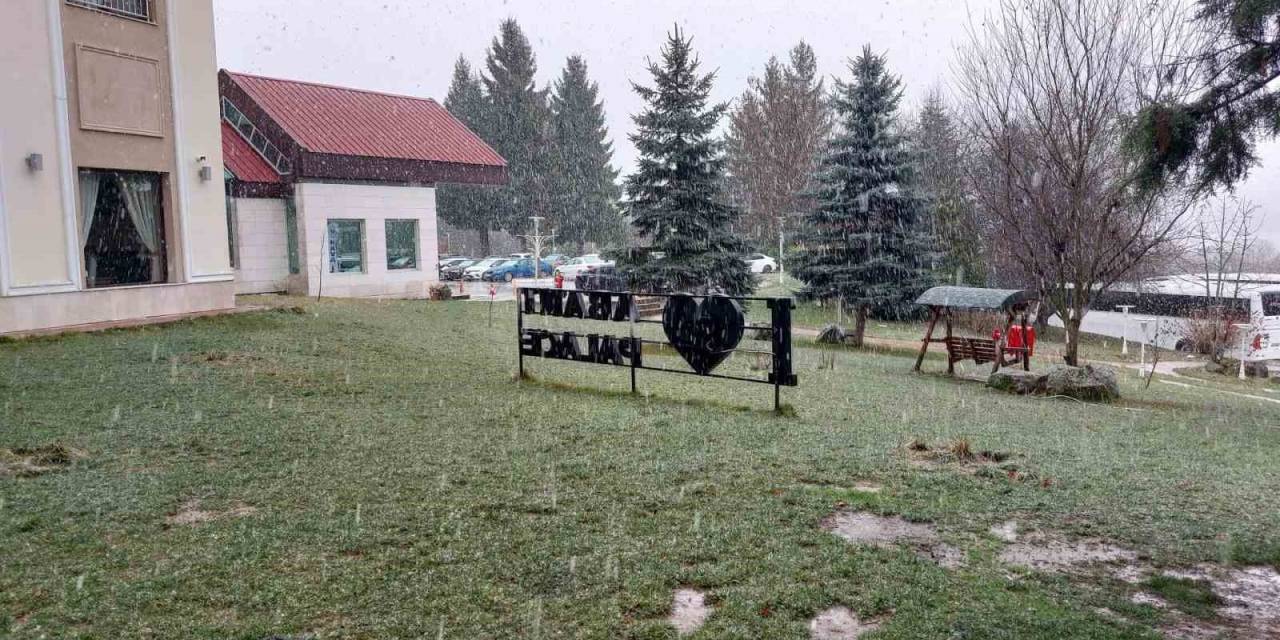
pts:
[519, 329]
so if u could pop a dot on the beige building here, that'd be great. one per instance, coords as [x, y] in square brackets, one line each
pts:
[111, 193]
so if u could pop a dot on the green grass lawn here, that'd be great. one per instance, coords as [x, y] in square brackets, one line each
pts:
[373, 470]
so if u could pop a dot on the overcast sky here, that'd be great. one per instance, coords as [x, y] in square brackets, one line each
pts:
[409, 46]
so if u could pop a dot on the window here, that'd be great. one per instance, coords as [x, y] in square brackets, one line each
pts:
[122, 228]
[138, 9]
[291, 235]
[1271, 304]
[402, 244]
[346, 246]
[259, 142]
[232, 231]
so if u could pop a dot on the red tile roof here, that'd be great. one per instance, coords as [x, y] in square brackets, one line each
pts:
[242, 160]
[353, 122]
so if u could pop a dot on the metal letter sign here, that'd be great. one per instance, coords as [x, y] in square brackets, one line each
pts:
[704, 330]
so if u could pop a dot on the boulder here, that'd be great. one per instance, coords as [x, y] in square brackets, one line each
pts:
[832, 334]
[1089, 383]
[1016, 381]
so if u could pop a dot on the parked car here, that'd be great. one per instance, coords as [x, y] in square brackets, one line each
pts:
[760, 263]
[509, 270]
[556, 259]
[476, 271]
[582, 264]
[605, 278]
[453, 270]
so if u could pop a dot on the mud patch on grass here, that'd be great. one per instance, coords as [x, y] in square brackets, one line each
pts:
[689, 611]
[190, 514]
[1005, 531]
[839, 623]
[861, 486]
[1056, 555]
[885, 532]
[29, 462]
[960, 456]
[1247, 599]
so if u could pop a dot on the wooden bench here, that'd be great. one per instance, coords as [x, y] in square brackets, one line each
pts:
[980, 350]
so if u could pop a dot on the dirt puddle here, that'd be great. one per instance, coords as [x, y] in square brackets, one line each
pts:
[839, 623]
[885, 532]
[689, 611]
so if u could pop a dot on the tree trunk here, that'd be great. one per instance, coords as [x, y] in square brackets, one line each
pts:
[1072, 328]
[484, 242]
[859, 325]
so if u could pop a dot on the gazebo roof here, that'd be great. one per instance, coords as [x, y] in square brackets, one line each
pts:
[976, 298]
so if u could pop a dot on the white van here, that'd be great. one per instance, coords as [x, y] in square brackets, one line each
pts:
[1264, 312]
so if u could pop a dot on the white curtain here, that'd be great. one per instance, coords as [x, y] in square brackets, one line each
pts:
[142, 200]
[90, 184]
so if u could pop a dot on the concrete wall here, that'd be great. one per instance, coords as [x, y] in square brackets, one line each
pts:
[261, 245]
[40, 71]
[317, 203]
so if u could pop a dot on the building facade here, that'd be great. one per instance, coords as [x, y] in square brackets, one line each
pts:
[112, 201]
[331, 191]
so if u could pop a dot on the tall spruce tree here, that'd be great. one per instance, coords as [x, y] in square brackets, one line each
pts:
[468, 206]
[940, 157]
[675, 197]
[868, 245]
[518, 127]
[584, 203]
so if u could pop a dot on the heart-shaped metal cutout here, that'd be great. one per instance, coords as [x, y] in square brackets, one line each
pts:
[704, 333]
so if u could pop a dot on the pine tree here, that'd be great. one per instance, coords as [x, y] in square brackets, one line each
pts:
[585, 199]
[463, 205]
[775, 137]
[940, 157]
[1210, 138]
[867, 245]
[675, 197]
[518, 127]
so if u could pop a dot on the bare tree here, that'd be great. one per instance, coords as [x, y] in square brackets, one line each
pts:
[1225, 237]
[1050, 87]
[776, 132]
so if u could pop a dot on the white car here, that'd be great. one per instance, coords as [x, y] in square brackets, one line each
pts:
[760, 263]
[475, 271]
[582, 264]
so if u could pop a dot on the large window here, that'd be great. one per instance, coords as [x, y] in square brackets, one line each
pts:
[138, 9]
[346, 246]
[122, 228]
[402, 244]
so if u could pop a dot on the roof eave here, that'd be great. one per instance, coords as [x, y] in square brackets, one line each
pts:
[327, 166]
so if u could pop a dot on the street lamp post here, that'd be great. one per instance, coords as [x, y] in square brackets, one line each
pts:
[1124, 331]
[1142, 360]
[537, 239]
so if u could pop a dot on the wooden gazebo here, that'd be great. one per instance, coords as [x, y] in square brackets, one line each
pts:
[1017, 305]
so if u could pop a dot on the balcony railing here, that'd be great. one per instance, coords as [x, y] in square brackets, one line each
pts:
[137, 9]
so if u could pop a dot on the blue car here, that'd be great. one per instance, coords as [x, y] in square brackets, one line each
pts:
[509, 270]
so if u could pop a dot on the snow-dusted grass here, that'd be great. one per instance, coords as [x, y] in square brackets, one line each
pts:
[374, 471]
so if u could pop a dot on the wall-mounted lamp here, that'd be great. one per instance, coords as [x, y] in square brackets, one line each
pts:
[206, 171]
[35, 162]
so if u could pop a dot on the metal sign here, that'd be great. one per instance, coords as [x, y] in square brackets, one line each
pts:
[703, 330]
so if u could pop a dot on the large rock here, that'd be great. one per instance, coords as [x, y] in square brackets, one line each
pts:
[1016, 381]
[1089, 383]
